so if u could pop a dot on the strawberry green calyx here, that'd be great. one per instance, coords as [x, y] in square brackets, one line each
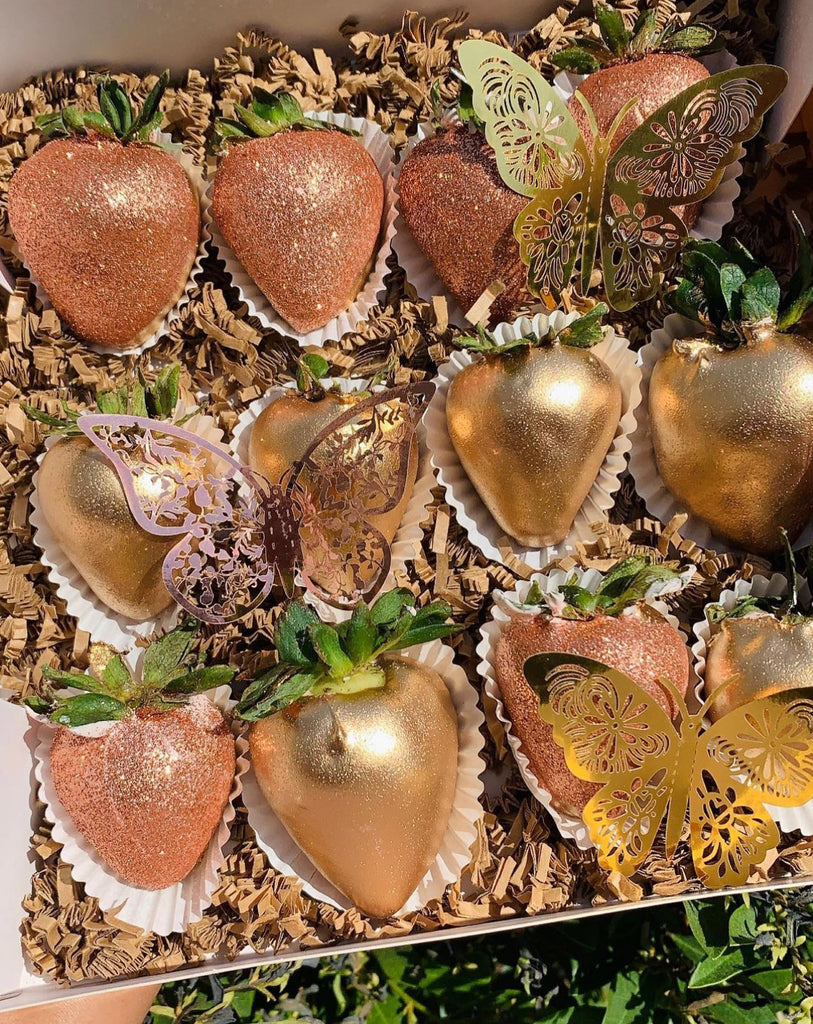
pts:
[269, 113]
[584, 332]
[788, 608]
[729, 292]
[617, 43]
[316, 658]
[625, 585]
[115, 118]
[171, 674]
[136, 398]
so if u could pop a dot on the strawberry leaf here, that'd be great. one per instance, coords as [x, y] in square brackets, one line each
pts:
[200, 679]
[74, 120]
[390, 606]
[117, 678]
[328, 646]
[732, 278]
[275, 690]
[612, 28]
[577, 60]
[162, 397]
[360, 634]
[164, 657]
[644, 32]
[291, 637]
[97, 122]
[690, 39]
[760, 296]
[88, 708]
[77, 680]
[586, 331]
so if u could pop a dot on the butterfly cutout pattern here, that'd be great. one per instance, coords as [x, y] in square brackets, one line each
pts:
[654, 772]
[238, 534]
[590, 200]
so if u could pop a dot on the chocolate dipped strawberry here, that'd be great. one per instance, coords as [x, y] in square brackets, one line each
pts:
[108, 222]
[82, 499]
[731, 407]
[146, 787]
[461, 215]
[531, 422]
[612, 624]
[649, 63]
[299, 201]
[287, 427]
[355, 746]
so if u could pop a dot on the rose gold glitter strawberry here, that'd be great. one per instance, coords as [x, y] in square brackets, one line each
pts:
[461, 215]
[147, 793]
[300, 204]
[613, 626]
[108, 223]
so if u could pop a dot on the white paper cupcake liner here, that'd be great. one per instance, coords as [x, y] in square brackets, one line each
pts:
[660, 502]
[482, 529]
[718, 209]
[378, 146]
[406, 545]
[196, 176]
[455, 852]
[162, 911]
[789, 819]
[91, 613]
[503, 610]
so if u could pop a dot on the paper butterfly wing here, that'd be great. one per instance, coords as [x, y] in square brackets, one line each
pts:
[677, 156]
[527, 124]
[612, 733]
[178, 484]
[355, 472]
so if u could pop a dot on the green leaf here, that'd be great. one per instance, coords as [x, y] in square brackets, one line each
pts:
[425, 634]
[387, 1011]
[38, 704]
[360, 635]
[688, 946]
[760, 296]
[286, 687]
[228, 128]
[163, 395]
[704, 269]
[150, 112]
[644, 32]
[731, 1012]
[257, 125]
[688, 300]
[73, 119]
[390, 606]
[111, 403]
[197, 680]
[732, 278]
[78, 680]
[775, 982]
[138, 400]
[145, 131]
[326, 642]
[716, 970]
[279, 109]
[587, 330]
[612, 28]
[97, 122]
[88, 708]
[465, 106]
[625, 1005]
[310, 368]
[163, 657]
[292, 638]
[689, 39]
[708, 922]
[577, 60]
[742, 926]
[114, 99]
[117, 678]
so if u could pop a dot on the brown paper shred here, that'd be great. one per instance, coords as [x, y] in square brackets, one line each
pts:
[518, 866]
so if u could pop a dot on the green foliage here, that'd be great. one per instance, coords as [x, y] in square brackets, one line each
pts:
[115, 117]
[313, 652]
[617, 43]
[729, 960]
[269, 113]
[726, 288]
[583, 332]
[170, 673]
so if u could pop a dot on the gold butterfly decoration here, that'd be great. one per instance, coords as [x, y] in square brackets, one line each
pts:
[588, 198]
[652, 771]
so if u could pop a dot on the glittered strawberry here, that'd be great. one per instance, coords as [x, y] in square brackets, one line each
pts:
[107, 222]
[614, 626]
[649, 62]
[299, 202]
[147, 789]
[461, 215]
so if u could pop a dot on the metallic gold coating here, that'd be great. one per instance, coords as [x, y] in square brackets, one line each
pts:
[733, 434]
[81, 497]
[763, 655]
[364, 782]
[287, 427]
[531, 428]
[111, 231]
[149, 794]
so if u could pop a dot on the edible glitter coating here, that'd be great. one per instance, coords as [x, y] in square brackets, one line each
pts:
[302, 210]
[644, 648]
[111, 231]
[655, 79]
[149, 794]
[461, 215]
[364, 782]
